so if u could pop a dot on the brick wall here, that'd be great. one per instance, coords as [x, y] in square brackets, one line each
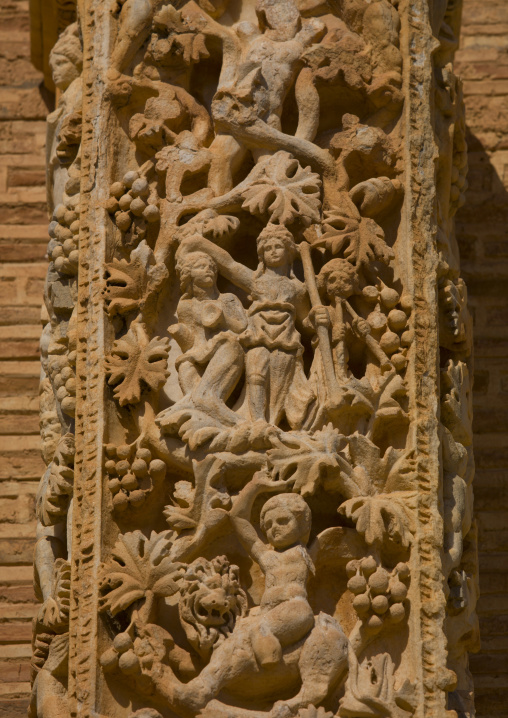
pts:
[482, 230]
[23, 238]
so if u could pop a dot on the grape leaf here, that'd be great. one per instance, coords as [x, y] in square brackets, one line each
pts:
[311, 461]
[126, 281]
[137, 565]
[284, 191]
[383, 517]
[360, 241]
[136, 362]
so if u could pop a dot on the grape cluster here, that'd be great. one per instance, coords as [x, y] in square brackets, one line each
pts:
[388, 322]
[62, 373]
[64, 233]
[131, 204]
[121, 656]
[379, 594]
[459, 183]
[131, 474]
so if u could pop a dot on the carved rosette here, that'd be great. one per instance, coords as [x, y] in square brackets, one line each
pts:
[256, 398]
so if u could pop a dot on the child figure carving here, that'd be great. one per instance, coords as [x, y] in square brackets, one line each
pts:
[281, 639]
[285, 615]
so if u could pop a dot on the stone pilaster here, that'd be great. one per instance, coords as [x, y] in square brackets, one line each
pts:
[260, 502]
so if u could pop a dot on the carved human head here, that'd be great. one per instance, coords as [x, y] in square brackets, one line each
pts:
[278, 18]
[195, 268]
[337, 279]
[276, 246]
[66, 57]
[286, 520]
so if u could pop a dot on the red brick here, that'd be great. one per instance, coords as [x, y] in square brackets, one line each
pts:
[15, 633]
[26, 177]
[22, 252]
[14, 552]
[18, 385]
[14, 672]
[17, 594]
[21, 465]
[16, 424]
[14, 708]
[20, 315]
[28, 349]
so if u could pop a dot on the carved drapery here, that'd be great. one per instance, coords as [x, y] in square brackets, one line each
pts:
[256, 366]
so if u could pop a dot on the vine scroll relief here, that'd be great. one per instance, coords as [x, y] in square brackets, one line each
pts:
[260, 501]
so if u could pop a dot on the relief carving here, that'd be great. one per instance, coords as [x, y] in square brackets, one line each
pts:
[58, 386]
[456, 362]
[232, 343]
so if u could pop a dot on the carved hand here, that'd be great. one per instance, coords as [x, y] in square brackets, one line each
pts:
[320, 316]
[361, 326]
[52, 615]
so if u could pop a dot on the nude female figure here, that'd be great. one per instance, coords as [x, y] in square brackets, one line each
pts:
[207, 332]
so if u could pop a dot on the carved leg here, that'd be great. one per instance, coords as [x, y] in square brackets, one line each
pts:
[220, 378]
[282, 368]
[233, 658]
[284, 625]
[188, 376]
[259, 134]
[257, 366]
[323, 660]
[134, 28]
[227, 156]
[51, 696]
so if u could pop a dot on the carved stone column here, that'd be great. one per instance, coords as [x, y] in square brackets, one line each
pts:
[256, 366]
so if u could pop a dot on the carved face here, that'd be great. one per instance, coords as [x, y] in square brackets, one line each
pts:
[281, 527]
[203, 272]
[211, 601]
[340, 283]
[64, 70]
[275, 253]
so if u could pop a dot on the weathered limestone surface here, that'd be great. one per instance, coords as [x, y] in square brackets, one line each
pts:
[256, 362]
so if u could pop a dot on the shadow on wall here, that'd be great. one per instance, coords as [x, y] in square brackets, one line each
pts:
[482, 233]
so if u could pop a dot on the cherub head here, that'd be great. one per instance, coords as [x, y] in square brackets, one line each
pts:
[66, 57]
[337, 279]
[276, 246]
[286, 520]
[195, 269]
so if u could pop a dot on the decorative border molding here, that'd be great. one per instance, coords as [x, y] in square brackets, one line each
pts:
[86, 532]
